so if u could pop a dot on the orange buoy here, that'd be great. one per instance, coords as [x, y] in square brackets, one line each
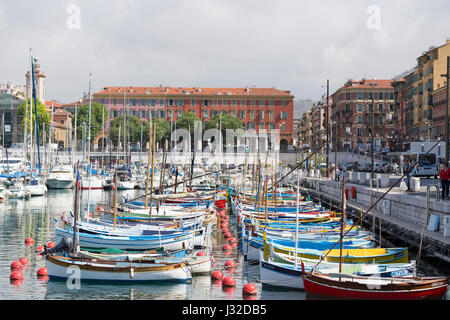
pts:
[16, 265]
[230, 264]
[229, 282]
[201, 254]
[42, 272]
[16, 275]
[29, 241]
[217, 275]
[24, 261]
[50, 244]
[249, 289]
[226, 247]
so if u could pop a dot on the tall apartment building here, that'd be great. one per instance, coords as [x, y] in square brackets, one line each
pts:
[427, 78]
[258, 108]
[354, 114]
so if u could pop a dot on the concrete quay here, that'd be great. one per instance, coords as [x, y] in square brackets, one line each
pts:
[401, 214]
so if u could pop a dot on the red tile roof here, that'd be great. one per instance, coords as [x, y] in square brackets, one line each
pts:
[186, 91]
[370, 83]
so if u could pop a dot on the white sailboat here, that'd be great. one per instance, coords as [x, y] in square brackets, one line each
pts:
[61, 177]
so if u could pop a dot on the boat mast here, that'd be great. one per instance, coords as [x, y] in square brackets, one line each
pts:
[115, 198]
[37, 120]
[342, 224]
[75, 219]
[30, 95]
[153, 162]
[89, 151]
[296, 219]
[148, 161]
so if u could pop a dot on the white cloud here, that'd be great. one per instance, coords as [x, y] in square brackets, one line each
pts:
[292, 45]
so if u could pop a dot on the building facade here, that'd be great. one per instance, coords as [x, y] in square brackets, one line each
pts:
[439, 112]
[258, 108]
[11, 125]
[360, 107]
[39, 78]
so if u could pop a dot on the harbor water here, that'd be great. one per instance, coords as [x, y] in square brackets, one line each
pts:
[35, 218]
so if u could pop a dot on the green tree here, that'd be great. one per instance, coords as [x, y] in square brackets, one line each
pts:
[227, 122]
[43, 118]
[96, 119]
[187, 122]
[133, 130]
[162, 131]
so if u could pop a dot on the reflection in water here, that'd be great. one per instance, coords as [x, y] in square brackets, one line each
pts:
[35, 218]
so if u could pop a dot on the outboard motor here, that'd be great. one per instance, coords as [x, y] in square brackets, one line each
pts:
[65, 245]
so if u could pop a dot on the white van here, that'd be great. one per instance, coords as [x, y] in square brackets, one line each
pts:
[428, 165]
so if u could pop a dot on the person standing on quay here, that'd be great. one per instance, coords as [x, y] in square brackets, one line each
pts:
[408, 176]
[445, 176]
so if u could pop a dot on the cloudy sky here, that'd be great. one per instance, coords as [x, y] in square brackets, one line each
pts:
[288, 44]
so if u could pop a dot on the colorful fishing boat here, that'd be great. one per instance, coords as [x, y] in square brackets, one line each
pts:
[348, 286]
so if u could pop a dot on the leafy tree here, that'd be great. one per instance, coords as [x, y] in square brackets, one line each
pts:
[96, 119]
[187, 122]
[162, 131]
[227, 122]
[43, 118]
[133, 130]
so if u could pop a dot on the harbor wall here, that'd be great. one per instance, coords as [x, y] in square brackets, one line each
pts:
[402, 214]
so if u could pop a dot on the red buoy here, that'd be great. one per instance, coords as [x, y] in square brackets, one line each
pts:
[229, 282]
[24, 261]
[234, 244]
[249, 289]
[226, 247]
[227, 234]
[16, 265]
[227, 252]
[29, 241]
[16, 283]
[201, 254]
[217, 275]
[16, 275]
[231, 239]
[39, 248]
[100, 209]
[42, 272]
[50, 244]
[230, 264]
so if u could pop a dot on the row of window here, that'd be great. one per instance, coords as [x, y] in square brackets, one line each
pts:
[369, 95]
[193, 102]
[162, 114]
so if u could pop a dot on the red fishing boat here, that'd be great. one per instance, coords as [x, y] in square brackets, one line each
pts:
[348, 286]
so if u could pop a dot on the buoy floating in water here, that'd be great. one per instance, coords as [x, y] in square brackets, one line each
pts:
[201, 254]
[230, 264]
[217, 275]
[16, 275]
[249, 289]
[226, 247]
[50, 244]
[24, 261]
[29, 241]
[42, 272]
[39, 248]
[16, 265]
[229, 282]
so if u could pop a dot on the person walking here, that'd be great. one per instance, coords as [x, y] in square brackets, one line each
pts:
[445, 182]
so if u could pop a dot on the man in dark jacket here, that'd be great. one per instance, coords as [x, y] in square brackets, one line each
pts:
[406, 167]
[445, 176]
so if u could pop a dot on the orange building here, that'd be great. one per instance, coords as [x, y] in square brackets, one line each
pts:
[258, 108]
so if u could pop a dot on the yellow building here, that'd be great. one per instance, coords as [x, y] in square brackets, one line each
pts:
[431, 65]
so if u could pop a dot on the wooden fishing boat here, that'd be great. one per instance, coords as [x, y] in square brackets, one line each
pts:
[289, 275]
[347, 286]
[93, 269]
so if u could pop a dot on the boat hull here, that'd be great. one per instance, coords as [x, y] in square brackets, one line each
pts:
[65, 269]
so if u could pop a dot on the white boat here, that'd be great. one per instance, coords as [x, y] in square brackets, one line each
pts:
[116, 270]
[125, 185]
[61, 177]
[92, 182]
[35, 188]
